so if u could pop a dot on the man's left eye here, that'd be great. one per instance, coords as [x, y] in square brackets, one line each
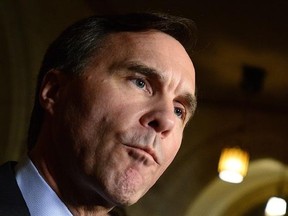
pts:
[178, 112]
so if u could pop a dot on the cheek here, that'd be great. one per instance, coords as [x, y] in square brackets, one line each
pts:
[172, 153]
[170, 150]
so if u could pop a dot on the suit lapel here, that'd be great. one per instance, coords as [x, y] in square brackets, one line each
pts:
[11, 199]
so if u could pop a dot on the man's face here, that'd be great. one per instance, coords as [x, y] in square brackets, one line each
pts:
[120, 125]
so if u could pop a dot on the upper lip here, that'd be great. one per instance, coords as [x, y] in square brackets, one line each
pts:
[148, 150]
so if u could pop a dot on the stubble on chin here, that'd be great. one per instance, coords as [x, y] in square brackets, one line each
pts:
[129, 187]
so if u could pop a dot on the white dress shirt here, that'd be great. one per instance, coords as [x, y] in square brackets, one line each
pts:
[38, 195]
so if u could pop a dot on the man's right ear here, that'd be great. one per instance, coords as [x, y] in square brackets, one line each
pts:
[50, 89]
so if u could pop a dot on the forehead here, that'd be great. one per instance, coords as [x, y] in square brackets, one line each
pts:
[153, 49]
[151, 43]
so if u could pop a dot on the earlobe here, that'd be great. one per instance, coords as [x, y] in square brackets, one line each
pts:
[50, 89]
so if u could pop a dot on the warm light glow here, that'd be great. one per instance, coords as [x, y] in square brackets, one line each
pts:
[275, 207]
[233, 165]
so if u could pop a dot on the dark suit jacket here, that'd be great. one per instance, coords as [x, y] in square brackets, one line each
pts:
[11, 200]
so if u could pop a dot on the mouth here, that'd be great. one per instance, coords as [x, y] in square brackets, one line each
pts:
[145, 155]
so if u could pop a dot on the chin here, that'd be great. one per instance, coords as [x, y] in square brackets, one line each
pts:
[126, 197]
[126, 201]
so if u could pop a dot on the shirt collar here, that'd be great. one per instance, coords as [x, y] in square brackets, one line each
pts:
[38, 195]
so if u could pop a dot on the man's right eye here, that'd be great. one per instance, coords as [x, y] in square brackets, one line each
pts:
[142, 84]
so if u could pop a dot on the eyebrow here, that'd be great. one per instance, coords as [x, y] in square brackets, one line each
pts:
[190, 100]
[145, 70]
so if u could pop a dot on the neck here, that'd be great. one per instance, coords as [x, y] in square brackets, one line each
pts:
[79, 199]
[94, 211]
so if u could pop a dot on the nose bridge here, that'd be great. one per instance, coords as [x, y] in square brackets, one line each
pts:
[160, 117]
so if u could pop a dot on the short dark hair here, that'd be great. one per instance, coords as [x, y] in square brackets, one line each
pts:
[72, 50]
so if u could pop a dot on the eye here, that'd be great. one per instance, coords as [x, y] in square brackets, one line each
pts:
[179, 112]
[140, 83]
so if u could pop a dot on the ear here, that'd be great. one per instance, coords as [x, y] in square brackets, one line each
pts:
[50, 89]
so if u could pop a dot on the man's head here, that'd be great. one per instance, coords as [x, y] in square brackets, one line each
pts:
[113, 98]
[72, 50]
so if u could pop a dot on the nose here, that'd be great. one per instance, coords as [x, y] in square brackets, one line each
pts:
[162, 121]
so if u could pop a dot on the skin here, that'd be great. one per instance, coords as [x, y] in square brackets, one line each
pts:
[109, 134]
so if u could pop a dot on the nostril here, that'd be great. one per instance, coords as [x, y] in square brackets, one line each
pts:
[154, 124]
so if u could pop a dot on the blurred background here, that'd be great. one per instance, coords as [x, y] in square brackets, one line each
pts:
[241, 62]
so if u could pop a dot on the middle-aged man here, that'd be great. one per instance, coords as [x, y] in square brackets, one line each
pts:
[114, 95]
